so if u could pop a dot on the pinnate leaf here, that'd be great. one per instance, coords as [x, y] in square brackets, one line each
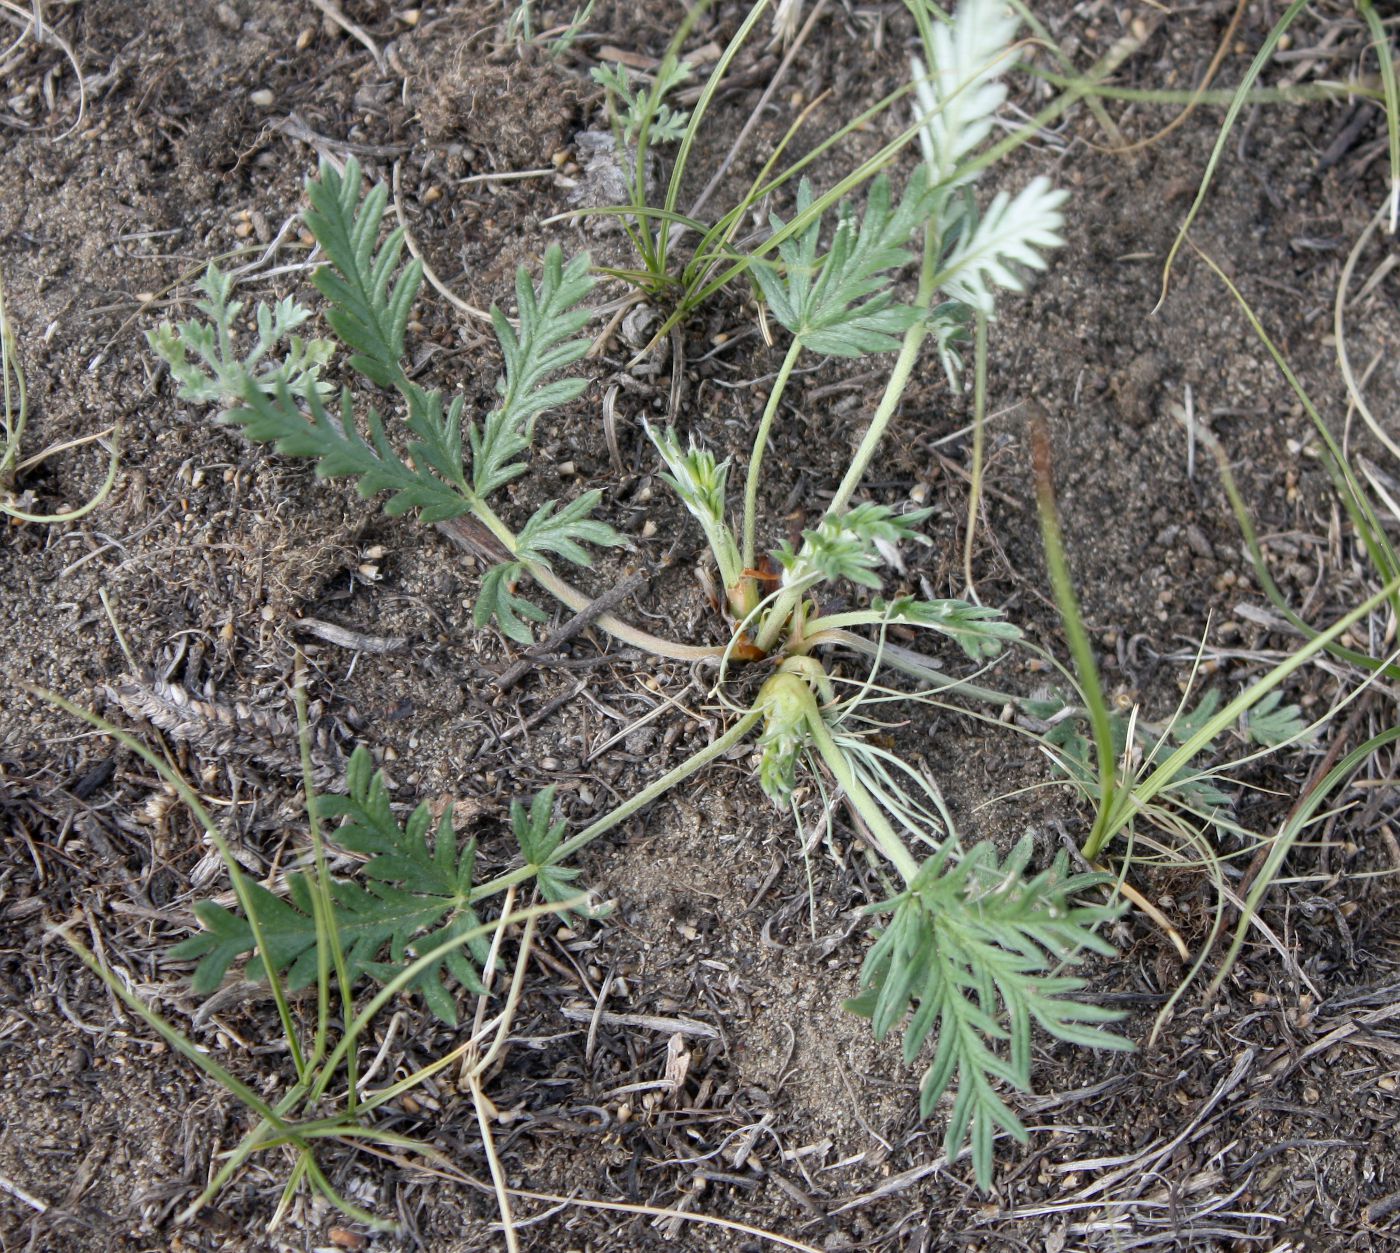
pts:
[974, 946]
[416, 896]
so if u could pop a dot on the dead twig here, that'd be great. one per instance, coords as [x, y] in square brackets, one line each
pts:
[585, 617]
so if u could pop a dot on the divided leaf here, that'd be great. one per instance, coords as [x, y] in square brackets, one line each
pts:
[1008, 234]
[539, 841]
[844, 547]
[974, 946]
[549, 318]
[417, 896]
[563, 532]
[958, 96]
[980, 631]
[496, 600]
[1270, 723]
[340, 451]
[363, 310]
[701, 484]
[843, 304]
[1187, 724]
[215, 372]
[647, 109]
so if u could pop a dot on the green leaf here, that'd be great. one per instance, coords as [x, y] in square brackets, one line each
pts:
[700, 482]
[539, 841]
[980, 632]
[975, 946]
[1187, 725]
[845, 546]
[843, 304]
[648, 108]
[1269, 723]
[416, 896]
[497, 602]
[341, 451]
[363, 310]
[205, 365]
[549, 317]
[563, 532]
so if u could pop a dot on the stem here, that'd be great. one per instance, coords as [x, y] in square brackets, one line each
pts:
[329, 949]
[789, 687]
[756, 458]
[624, 811]
[885, 835]
[894, 389]
[1079, 646]
[572, 598]
[621, 631]
[787, 602]
[904, 659]
[979, 442]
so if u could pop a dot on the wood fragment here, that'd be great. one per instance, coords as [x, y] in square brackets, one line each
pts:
[589, 614]
[647, 1022]
[344, 637]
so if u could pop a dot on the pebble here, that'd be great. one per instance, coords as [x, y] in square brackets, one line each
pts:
[263, 98]
[1197, 542]
[228, 17]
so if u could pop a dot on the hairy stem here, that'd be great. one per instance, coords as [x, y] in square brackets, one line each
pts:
[824, 631]
[787, 603]
[759, 443]
[572, 598]
[728, 740]
[894, 389]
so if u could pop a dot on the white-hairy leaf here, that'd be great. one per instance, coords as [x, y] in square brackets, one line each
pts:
[958, 95]
[1008, 235]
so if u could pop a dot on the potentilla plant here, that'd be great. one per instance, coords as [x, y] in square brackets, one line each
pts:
[974, 945]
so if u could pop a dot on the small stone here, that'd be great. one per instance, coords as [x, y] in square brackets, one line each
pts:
[432, 195]
[228, 17]
[1197, 542]
[262, 98]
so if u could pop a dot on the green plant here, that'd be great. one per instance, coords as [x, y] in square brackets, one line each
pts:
[14, 416]
[330, 935]
[1135, 771]
[556, 41]
[954, 103]
[974, 934]
[415, 896]
[645, 114]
